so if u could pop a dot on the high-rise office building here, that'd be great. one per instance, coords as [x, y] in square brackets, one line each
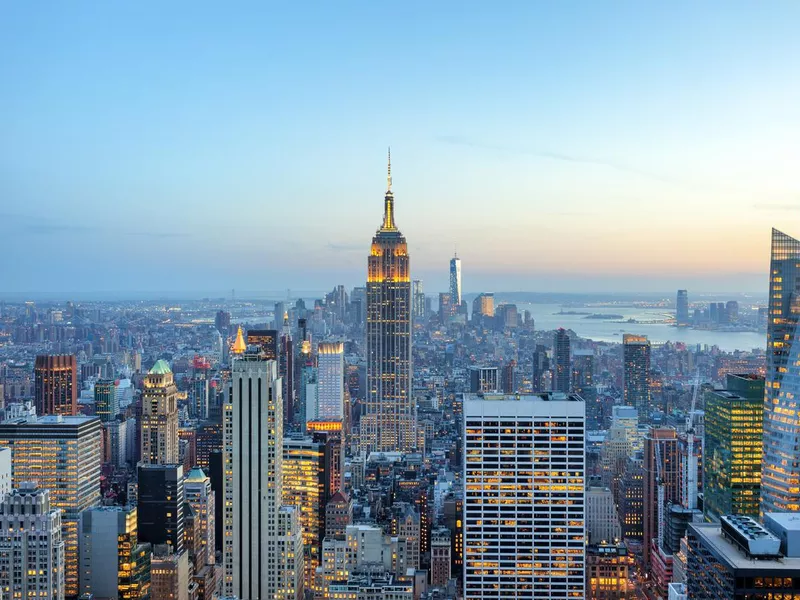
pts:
[780, 476]
[583, 374]
[222, 321]
[484, 379]
[455, 281]
[389, 422]
[524, 523]
[286, 371]
[199, 391]
[160, 505]
[169, 574]
[636, 373]
[56, 384]
[483, 305]
[111, 564]
[106, 405]
[159, 417]
[440, 556]
[541, 366]
[662, 462]
[199, 495]
[563, 365]
[330, 365]
[445, 307]
[682, 309]
[417, 301]
[738, 558]
[304, 487]
[61, 454]
[31, 548]
[266, 339]
[732, 447]
[263, 541]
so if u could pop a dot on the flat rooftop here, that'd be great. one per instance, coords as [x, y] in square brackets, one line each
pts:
[711, 534]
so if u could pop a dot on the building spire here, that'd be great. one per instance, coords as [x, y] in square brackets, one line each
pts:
[388, 201]
[389, 172]
[239, 346]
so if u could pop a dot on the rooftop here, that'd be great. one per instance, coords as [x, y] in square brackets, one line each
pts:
[711, 534]
[160, 368]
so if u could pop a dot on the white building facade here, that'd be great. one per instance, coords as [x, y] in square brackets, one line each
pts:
[263, 544]
[524, 507]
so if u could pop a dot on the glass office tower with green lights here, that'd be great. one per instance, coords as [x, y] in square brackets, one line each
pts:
[732, 452]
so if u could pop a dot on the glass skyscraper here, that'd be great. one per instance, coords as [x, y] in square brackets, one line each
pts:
[389, 422]
[636, 390]
[780, 476]
[732, 447]
[455, 281]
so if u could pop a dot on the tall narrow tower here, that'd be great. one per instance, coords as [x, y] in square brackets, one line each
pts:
[455, 281]
[160, 417]
[780, 475]
[389, 422]
[263, 555]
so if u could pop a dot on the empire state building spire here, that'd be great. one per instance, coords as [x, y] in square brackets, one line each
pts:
[388, 201]
[388, 423]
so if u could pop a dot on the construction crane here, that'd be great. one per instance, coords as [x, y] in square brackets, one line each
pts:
[690, 494]
[660, 487]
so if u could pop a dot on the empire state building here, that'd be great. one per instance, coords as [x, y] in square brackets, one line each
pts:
[389, 423]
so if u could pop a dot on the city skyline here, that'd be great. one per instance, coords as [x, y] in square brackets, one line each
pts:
[688, 131]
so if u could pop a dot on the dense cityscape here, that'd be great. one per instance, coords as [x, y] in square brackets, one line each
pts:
[545, 347]
[384, 443]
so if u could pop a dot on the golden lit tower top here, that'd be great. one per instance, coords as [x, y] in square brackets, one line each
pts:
[239, 346]
[388, 210]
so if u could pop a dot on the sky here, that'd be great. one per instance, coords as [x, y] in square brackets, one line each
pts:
[556, 146]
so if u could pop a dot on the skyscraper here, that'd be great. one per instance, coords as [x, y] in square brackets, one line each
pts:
[455, 281]
[418, 300]
[160, 505]
[583, 374]
[780, 477]
[106, 404]
[56, 384]
[636, 372]
[541, 365]
[732, 448]
[267, 339]
[304, 487]
[109, 546]
[524, 514]
[682, 309]
[160, 417]
[663, 461]
[32, 549]
[330, 365]
[62, 454]
[389, 422]
[263, 543]
[563, 368]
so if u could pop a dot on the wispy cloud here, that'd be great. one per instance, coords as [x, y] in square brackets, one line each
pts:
[559, 156]
[29, 224]
[158, 234]
[345, 247]
[777, 207]
[36, 225]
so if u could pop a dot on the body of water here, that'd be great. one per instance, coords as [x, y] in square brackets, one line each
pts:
[546, 318]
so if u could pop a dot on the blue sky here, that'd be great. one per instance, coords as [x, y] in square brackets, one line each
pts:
[561, 146]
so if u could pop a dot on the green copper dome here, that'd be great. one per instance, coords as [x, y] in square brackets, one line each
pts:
[160, 368]
[196, 475]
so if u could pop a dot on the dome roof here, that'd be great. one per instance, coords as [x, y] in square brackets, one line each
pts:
[160, 368]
